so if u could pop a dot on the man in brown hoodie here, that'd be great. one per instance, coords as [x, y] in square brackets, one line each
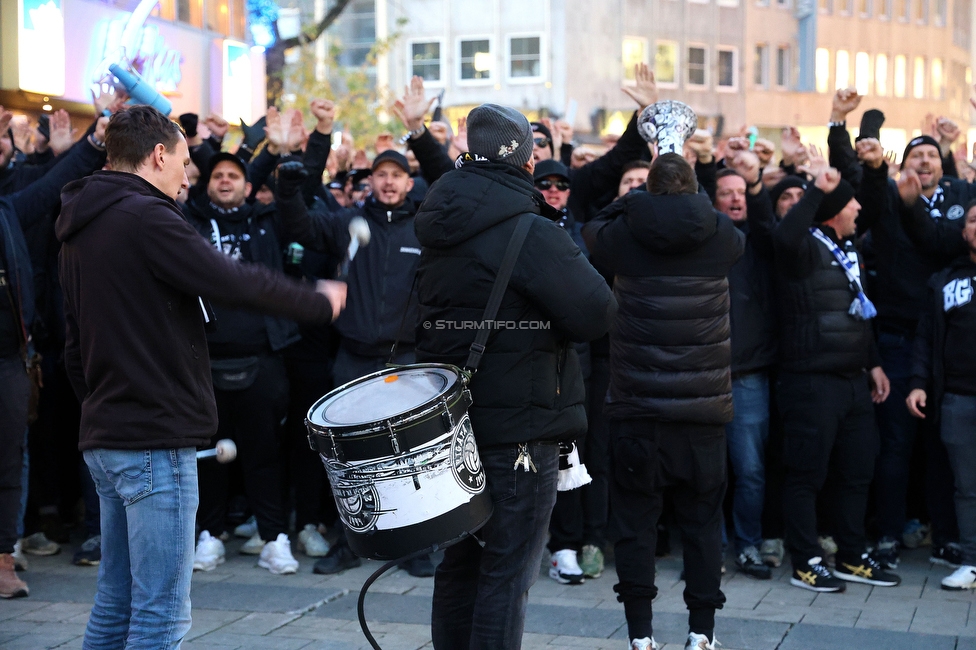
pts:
[136, 279]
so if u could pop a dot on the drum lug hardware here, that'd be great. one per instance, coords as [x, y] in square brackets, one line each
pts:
[336, 451]
[393, 438]
[447, 417]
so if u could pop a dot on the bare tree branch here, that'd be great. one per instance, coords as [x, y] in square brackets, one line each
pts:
[328, 19]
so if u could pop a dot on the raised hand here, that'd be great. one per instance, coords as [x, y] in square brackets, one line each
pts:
[383, 142]
[869, 152]
[564, 129]
[747, 164]
[324, 111]
[816, 162]
[62, 135]
[765, 149]
[794, 153]
[414, 105]
[909, 186]
[23, 138]
[461, 137]
[827, 180]
[335, 292]
[703, 144]
[218, 125]
[845, 101]
[297, 135]
[276, 131]
[644, 91]
[948, 132]
[100, 126]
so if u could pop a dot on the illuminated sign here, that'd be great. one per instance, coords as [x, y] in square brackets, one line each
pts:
[130, 40]
[236, 88]
[41, 47]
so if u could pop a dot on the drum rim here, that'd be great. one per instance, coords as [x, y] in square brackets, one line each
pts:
[418, 413]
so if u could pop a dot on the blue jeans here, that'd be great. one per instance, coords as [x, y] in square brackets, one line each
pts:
[480, 593]
[747, 434]
[148, 501]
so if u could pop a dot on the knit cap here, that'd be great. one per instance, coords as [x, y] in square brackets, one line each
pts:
[500, 134]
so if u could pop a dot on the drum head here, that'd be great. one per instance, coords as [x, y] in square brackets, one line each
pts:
[382, 395]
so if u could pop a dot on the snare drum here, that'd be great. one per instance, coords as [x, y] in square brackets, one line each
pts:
[402, 459]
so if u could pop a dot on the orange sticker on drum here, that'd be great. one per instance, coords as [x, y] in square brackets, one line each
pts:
[391, 379]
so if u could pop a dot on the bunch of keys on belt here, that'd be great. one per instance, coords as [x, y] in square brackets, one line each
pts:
[524, 459]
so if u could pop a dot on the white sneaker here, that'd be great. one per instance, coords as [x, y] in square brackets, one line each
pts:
[643, 644]
[209, 553]
[253, 546]
[700, 642]
[276, 556]
[248, 529]
[962, 578]
[311, 542]
[39, 544]
[20, 562]
[564, 569]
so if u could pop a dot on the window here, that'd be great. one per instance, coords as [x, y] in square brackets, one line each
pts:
[218, 16]
[881, 75]
[783, 3]
[921, 11]
[843, 74]
[938, 83]
[761, 77]
[918, 79]
[862, 73]
[476, 60]
[165, 9]
[864, 8]
[783, 67]
[634, 51]
[901, 65]
[425, 60]
[903, 10]
[825, 6]
[697, 65]
[190, 12]
[846, 7]
[727, 77]
[884, 9]
[823, 70]
[727, 3]
[941, 10]
[666, 63]
[525, 57]
[238, 18]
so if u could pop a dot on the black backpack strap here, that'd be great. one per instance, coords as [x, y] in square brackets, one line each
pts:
[498, 289]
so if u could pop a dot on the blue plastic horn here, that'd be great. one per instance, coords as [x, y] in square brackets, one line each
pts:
[140, 91]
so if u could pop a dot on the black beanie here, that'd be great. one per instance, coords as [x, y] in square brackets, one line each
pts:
[833, 203]
[539, 127]
[918, 142]
[786, 183]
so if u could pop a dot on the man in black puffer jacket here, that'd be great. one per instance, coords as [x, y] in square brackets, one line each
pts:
[528, 390]
[670, 385]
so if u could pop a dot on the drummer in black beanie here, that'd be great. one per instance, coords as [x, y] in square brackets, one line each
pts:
[528, 390]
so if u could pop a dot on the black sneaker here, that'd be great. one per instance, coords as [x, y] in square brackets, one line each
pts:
[817, 578]
[90, 553]
[886, 553]
[865, 570]
[419, 567]
[751, 564]
[949, 555]
[340, 558]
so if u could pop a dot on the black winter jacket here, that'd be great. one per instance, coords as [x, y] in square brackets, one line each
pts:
[529, 385]
[817, 333]
[670, 347]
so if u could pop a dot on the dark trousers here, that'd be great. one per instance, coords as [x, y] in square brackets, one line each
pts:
[959, 436]
[251, 418]
[14, 393]
[480, 592]
[828, 423]
[772, 517]
[647, 456]
[309, 381]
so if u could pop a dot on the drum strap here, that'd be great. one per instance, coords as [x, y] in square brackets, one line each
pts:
[498, 289]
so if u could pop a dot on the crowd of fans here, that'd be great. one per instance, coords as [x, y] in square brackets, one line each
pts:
[806, 446]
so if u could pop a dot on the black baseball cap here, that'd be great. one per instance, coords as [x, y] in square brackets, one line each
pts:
[394, 157]
[228, 157]
[550, 168]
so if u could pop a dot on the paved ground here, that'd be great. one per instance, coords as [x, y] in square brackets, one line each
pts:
[239, 606]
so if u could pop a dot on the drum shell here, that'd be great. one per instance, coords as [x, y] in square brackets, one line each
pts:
[413, 494]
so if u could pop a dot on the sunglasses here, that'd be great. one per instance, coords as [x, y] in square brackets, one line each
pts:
[545, 184]
[541, 142]
[360, 187]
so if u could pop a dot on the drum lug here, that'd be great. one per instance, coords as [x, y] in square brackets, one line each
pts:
[447, 417]
[336, 449]
[393, 439]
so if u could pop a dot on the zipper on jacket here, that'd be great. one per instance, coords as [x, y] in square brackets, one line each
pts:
[559, 371]
[389, 216]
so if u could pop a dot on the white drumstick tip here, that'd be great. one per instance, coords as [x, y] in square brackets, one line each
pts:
[226, 450]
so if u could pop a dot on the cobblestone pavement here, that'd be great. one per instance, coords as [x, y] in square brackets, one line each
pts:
[240, 606]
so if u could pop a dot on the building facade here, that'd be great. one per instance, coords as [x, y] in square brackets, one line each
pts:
[56, 53]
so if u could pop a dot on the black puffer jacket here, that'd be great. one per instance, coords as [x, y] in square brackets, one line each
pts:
[529, 385]
[669, 347]
[814, 295]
